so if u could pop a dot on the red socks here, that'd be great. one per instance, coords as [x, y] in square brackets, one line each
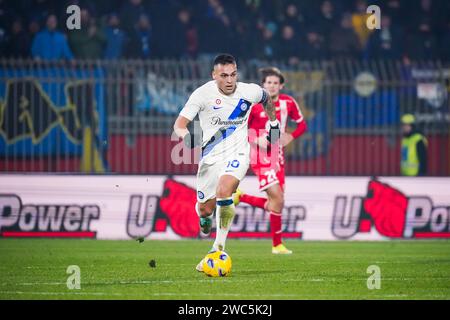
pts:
[275, 218]
[275, 228]
[253, 201]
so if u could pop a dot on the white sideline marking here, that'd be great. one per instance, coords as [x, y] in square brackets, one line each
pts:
[213, 281]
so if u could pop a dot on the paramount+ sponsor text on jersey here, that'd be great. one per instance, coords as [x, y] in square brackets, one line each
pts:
[45, 220]
[392, 214]
[217, 121]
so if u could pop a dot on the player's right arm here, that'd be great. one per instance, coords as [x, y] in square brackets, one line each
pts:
[181, 130]
[187, 114]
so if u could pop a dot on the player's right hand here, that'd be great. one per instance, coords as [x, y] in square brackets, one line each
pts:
[189, 141]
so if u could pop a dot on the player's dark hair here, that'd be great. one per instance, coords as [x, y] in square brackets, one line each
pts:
[271, 71]
[224, 59]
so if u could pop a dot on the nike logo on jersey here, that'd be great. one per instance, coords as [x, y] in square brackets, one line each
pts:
[216, 108]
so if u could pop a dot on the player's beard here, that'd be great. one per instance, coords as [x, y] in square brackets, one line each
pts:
[231, 89]
[225, 90]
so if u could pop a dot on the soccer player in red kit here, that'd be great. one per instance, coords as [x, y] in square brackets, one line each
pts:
[267, 161]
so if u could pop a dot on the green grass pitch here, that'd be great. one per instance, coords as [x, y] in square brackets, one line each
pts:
[36, 269]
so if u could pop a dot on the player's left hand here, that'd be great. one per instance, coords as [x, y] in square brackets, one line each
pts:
[274, 132]
[286, 138]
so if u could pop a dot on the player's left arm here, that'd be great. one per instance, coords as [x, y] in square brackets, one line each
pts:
[268, 105]
[274, 128]
[296, 115]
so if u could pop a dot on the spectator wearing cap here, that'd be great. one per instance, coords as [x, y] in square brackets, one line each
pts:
[50, 44]
[413, 148]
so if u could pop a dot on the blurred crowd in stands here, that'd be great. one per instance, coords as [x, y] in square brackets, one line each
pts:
[286, 30]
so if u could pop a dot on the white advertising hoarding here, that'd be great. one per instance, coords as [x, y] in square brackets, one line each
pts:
[162, 207]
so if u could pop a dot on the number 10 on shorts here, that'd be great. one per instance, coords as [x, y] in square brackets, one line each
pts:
[233, 164]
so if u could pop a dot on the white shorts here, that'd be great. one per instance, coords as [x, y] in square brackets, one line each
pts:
[208, 175]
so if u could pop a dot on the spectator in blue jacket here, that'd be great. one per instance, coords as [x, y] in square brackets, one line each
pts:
[115, 38]
[50, 44]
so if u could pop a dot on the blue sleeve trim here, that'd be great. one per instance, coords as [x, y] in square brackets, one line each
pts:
[264, 97]
[225, 202]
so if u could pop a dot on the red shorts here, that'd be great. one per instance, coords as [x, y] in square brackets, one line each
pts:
[269, 176]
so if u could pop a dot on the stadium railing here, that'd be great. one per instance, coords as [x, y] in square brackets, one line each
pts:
[116, 117]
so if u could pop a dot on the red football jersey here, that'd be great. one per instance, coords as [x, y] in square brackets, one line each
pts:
[286, 107]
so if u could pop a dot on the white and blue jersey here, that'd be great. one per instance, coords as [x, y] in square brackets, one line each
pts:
[223, 118]
[224, 123]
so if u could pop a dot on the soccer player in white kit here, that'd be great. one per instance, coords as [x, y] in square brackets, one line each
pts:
[223, 106]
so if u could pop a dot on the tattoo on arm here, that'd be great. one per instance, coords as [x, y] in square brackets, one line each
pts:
[269, 108]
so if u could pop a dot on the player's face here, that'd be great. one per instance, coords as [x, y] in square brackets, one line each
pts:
[273, 86]
[226, 77]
